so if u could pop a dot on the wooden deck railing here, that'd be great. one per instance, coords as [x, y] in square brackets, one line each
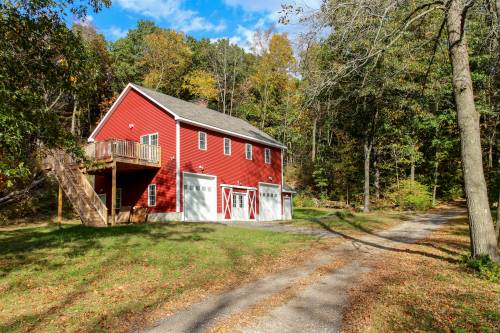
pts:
[135, 152]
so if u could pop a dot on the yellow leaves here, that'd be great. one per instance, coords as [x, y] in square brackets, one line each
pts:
[201, 84]
[166, 55]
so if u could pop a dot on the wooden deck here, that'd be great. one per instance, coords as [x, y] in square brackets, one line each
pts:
[122, 154]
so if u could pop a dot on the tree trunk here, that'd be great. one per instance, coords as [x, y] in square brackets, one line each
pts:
[347, 195]
[376, 182]
[434, 189]
[412, 168]
[481, 225]
[313, 150]
[396, 165]
[74, 115]
[367, 149]
[497, 228]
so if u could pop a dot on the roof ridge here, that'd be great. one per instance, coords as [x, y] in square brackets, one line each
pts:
[193, 104]
[193, 112]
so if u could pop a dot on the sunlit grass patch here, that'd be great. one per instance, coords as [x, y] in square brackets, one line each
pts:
[99, 279]
[345, 220]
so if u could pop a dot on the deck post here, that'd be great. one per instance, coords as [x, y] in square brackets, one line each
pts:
[59, 206]
[113, 194]
[137, 151]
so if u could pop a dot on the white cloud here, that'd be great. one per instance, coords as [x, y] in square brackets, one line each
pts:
[85, 21]
[173, 12]
[199, 23]
[115, 33]
[270, 5]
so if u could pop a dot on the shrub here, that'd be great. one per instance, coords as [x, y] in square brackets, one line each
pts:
[410, 195]
[304, 200]
[484, 267]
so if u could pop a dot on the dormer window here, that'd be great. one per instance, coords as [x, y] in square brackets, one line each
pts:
[267, 155]
[202, 141]
[248, 151]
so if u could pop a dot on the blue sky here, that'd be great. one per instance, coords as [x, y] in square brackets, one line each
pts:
[233, 19]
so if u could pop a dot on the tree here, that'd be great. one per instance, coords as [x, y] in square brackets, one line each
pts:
[166, 57]
[379, 26]
[200, 83]
[229, 66]
[40, 60]
[271, 76]
[127, 54]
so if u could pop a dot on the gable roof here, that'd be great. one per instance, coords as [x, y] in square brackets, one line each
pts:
[198, 115]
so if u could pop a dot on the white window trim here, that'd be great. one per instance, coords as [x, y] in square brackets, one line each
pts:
[199, 140]
[246, 151]
[149, 202]
[266, 152]
[224, 147]
[149, 140]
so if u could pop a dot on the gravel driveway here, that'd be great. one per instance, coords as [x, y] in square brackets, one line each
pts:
[317, 307]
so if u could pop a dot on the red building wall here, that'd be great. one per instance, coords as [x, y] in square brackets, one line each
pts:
[146, 118]
[234, 169]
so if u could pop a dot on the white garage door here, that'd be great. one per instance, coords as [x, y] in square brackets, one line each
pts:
[269, 202]
[200, 198]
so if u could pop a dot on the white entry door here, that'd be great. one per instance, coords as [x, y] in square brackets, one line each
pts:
[269, 202]
[239, 206]
[287, 202]
[200, 198]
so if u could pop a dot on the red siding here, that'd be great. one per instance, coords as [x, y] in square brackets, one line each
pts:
[234, 169]
[146, 118]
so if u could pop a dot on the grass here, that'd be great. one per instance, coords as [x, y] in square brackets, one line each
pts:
[125, 277]
[86, 279]
[426, 289]
[337, 220]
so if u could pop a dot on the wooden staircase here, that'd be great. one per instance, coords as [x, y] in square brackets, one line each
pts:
[86, 202]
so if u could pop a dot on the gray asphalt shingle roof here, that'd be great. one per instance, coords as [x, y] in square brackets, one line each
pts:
[209, 117]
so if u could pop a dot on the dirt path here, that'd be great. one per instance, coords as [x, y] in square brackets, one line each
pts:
[310, 298]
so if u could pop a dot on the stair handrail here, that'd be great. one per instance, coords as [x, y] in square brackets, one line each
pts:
[64, 159]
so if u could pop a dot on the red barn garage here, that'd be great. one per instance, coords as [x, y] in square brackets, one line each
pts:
[186, 162]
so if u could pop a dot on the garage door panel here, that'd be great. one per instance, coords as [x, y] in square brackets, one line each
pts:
[200, 198]
[269, 202]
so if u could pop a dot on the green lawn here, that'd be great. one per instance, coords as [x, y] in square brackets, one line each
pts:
[343, 220]
[87, 279]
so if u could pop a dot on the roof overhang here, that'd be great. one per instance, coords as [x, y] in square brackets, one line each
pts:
[176, 117]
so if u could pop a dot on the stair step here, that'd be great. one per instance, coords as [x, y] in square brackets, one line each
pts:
[69, 176]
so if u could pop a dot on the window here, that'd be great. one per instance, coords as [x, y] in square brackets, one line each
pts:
[148, 150]
[227, 146]
[118, 202]
[150, 139]
[202, 140]
[267, 155]
[152, 195]
[248, 151]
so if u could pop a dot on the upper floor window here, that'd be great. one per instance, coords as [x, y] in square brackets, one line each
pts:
[150, 139]
[227, 146]
[267, 155]
[152, 195]
[248, 151]
[202, 140]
